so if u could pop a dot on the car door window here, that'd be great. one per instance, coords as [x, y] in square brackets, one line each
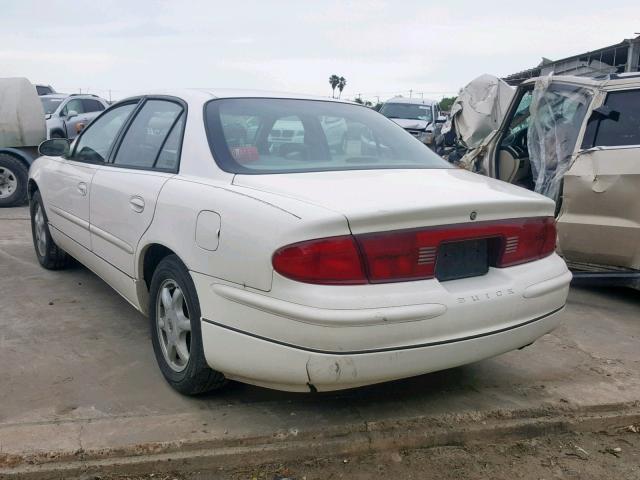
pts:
[623, 128]
[74, 105]
[95, 143]
[90, 105]
[146, 136]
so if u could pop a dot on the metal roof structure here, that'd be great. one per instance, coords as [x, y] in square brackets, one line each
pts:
[619, 58]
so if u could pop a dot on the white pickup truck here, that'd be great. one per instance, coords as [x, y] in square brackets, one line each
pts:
[22, 129]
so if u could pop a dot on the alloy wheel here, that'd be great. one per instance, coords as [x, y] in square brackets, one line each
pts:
[173, 325]
[40, 230]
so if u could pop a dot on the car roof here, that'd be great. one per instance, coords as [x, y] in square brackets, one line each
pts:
[417, 101]
[204, 94]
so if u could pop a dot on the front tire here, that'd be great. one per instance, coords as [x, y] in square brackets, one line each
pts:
[13, 181]
[174, 314]
[49, 254]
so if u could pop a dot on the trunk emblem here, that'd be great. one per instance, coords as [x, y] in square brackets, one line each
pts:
[473, 215]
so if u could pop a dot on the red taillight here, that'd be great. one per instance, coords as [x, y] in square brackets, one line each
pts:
[410, 254]
[328, 261]
[527, 240]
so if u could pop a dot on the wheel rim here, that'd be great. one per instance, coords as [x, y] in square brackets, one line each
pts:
[40, 231]
[8, 182]
[173, 325]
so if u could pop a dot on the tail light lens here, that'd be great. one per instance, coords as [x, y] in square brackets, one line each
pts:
[328, 261]
[410, 254]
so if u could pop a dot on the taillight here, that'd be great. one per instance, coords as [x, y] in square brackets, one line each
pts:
[410, 254]
[327, 261]
[527, 240]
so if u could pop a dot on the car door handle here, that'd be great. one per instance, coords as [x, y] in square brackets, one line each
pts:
[82, 188]
[136, 203]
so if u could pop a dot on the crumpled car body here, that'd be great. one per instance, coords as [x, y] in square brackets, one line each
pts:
[577, 141]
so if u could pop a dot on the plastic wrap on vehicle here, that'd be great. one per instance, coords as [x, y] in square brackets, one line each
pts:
[22, 121]
[557, 113]
[480, 108]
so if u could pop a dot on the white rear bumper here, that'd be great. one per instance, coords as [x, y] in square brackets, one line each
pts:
[335, 337]
[264, 362]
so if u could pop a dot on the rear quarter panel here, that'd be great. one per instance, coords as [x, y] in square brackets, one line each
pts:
[252, 227]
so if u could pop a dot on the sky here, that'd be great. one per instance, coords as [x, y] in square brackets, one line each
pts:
[382, 48]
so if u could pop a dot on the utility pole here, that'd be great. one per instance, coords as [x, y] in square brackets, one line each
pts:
[109, 95]
[410, 93]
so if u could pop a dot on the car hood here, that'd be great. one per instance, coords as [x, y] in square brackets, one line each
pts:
[411, 124]
[377, 200]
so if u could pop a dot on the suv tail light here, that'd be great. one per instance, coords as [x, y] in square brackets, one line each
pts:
[404, 255]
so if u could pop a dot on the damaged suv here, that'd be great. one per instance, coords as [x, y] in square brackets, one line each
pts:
[577, 141]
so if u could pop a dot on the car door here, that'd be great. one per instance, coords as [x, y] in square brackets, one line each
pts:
[600, 218]
[125, 190]
[66, 182]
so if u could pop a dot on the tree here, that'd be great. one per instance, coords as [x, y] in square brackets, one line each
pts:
[334, 80]
[342, 82]
[446, 103]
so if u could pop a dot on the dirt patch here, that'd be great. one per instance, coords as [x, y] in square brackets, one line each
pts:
[606, 455]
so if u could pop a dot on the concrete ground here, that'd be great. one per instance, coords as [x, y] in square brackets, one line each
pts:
[79, 386]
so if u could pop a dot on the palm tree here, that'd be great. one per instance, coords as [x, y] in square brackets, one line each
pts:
[334, 80]
[342, 82]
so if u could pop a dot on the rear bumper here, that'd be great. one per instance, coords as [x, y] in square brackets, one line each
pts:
[341, 337]
[269, 363]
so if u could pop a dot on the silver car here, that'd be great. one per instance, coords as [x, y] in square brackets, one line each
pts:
[68, 115]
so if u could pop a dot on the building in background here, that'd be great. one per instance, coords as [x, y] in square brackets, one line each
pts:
[619, 58]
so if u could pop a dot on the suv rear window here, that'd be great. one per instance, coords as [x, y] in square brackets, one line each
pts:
[268, 135]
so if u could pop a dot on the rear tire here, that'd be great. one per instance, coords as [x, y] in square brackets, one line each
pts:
[49, 254]
[174, 314]
[13, 181]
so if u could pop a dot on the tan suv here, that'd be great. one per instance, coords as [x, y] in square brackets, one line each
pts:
[577, 140]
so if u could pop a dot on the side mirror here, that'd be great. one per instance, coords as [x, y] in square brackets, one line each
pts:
[72, 113]
[55, 147]
[607, 112]
[441, 119]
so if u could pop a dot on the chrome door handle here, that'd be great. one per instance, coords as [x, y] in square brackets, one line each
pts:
[82, 188]
[136, 203]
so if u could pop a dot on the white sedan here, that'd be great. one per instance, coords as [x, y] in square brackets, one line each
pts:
[294, 265]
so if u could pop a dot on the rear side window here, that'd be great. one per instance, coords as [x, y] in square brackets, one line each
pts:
[625, 130]
[90, 105]
[143, 143]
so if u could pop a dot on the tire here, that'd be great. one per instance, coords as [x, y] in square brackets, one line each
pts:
[49, 254]
[13, 181]
[188, 374]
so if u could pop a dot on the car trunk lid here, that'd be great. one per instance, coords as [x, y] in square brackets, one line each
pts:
[382, 200]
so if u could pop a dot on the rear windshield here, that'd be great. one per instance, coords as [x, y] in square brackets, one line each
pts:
[262, 135]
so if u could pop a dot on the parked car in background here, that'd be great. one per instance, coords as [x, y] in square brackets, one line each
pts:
[67, 115]
[22, 129]
[44, 89]
[291, 264]
[577, 141]
[420, 117]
